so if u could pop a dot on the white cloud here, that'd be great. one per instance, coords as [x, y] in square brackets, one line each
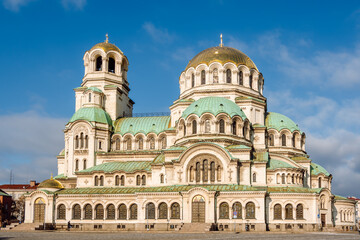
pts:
[15, 5]
[74, 4]
[157, 34]
[183, 54]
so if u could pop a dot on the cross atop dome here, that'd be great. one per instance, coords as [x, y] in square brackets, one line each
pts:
[107, 38]
[221, 41]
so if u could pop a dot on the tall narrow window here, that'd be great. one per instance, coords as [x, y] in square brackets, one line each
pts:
[117, 180]
[161, 178]
[228, 76]
[86, 141]
[81, 140]
[192, 80]
[76, 165]
[215, 75]
[299, 211]
[61, 212]
[152, 143]
[76, 212]
[283, 140]
[224, 211]
[241, 77]
[184, 130]
[76, 142]
[123, 211]
[96, 181]
[111, 65]
[251, 81]
[89, 97]
[271, 138]
[319, 182]
[194, 126]
[222, 126]
[101, 180]
[110, 212]
[288, 211]
[254, 177]
[277, 212]
[212, 171]
[128, 144]
[143, 180]
[234, 127]
[205, 170]
[283, 178]
[141, 143]
[207, 126]
[163, 143]
[100, 147]
[98, 64]
[99, 211]
[203, 78]
[250, 210]
[163, 211]
[117, 144]
[84, 164]
[133, 211]
[122, 180]
[87, 211]
[175, 211]
[218, 173]
[191, 172]
[293, 140]
[238, 209]
[150, 211]
[138, 180]
[198, 172]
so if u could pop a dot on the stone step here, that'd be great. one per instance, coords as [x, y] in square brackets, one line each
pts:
[195, 227]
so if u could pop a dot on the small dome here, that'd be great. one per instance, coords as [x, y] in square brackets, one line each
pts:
[316, 169]
[106, 46]
[51, 183]
[213, 105]
[92, 114]
[222, 55]
[278, 121]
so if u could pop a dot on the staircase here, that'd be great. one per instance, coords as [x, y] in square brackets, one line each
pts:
[20, 227]
[195, 227]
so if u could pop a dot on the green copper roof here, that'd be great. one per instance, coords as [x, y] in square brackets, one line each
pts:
[316, 169]
[237, 147]
[300, 159]
[144, 125]
[274, 164]
[2, 193]
[213, 105]
[129, 166]
[92, 114]
[278, 121]
[94, 89]
[293, 190]
[249, 98]
[160, 159]
[60, 176]
[173, 188]
[261, 156]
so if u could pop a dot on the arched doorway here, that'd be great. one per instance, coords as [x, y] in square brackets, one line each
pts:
[198, 209]
[39, 210]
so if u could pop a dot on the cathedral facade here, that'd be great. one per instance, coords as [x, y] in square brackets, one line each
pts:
[220, 160]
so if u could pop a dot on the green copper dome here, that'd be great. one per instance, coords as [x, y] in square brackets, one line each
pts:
[316, 169]
[214, 105]
[92, 114]
[278, 121]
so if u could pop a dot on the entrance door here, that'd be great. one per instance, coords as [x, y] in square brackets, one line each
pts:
[39, 210]
[323, 222]
[198, 209]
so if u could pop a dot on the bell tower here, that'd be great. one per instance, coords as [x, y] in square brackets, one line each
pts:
[106, 69]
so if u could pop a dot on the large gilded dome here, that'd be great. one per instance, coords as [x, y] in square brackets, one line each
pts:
[222, 55]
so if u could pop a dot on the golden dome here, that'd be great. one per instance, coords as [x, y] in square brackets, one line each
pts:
[106, 46]
[222, 55]
[51, 183]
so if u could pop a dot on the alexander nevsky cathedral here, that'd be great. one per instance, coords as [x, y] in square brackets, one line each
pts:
[218, 161]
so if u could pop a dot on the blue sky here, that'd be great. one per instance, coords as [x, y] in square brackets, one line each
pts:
[308, 52]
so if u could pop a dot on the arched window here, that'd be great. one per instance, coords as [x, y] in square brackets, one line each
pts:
[163, 211]
[111, 65]
[81, 140]
[138, 180]
[251, 81]
[89, 97]
[76, 212]
[191, 173]
[205, 170]
[117, 144]
[101, 180]
[293, 140]
[61, 212]
[194, 126]
[161, 178]
[212, 172]
[234, 127]
[133, 211]
[224, 211]
[198, 172]
[283, 178]
[283, 140]
[215, 75]
[277, 212]
[228, 76]
[254, 177]
[250, 210]
[150, 211]
[84, 164]
[143, 180]
[99, 211]
[288, 211]
[87, 211]
[245, 131]
[218, 172]
[100, 145]
[123, 212]
[319, 182]
[203, 78]
[86, 141]
[184, 130]
[96, 181]
[163, 143]
[207, 126]
[222, 126]
[117, 180]
[238, 209]
[299, 211]
[76, 165]
[122, 180]
[128, 144]
[271, 138]
[241, 77]
[152, 143]
[76, 142]
[293, 179]
[141, 143]
[175, 211]
[192, 80]
[98, 64]
[110, 212]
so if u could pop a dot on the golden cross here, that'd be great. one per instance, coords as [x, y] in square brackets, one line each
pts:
[221, 41]
[107, 38]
